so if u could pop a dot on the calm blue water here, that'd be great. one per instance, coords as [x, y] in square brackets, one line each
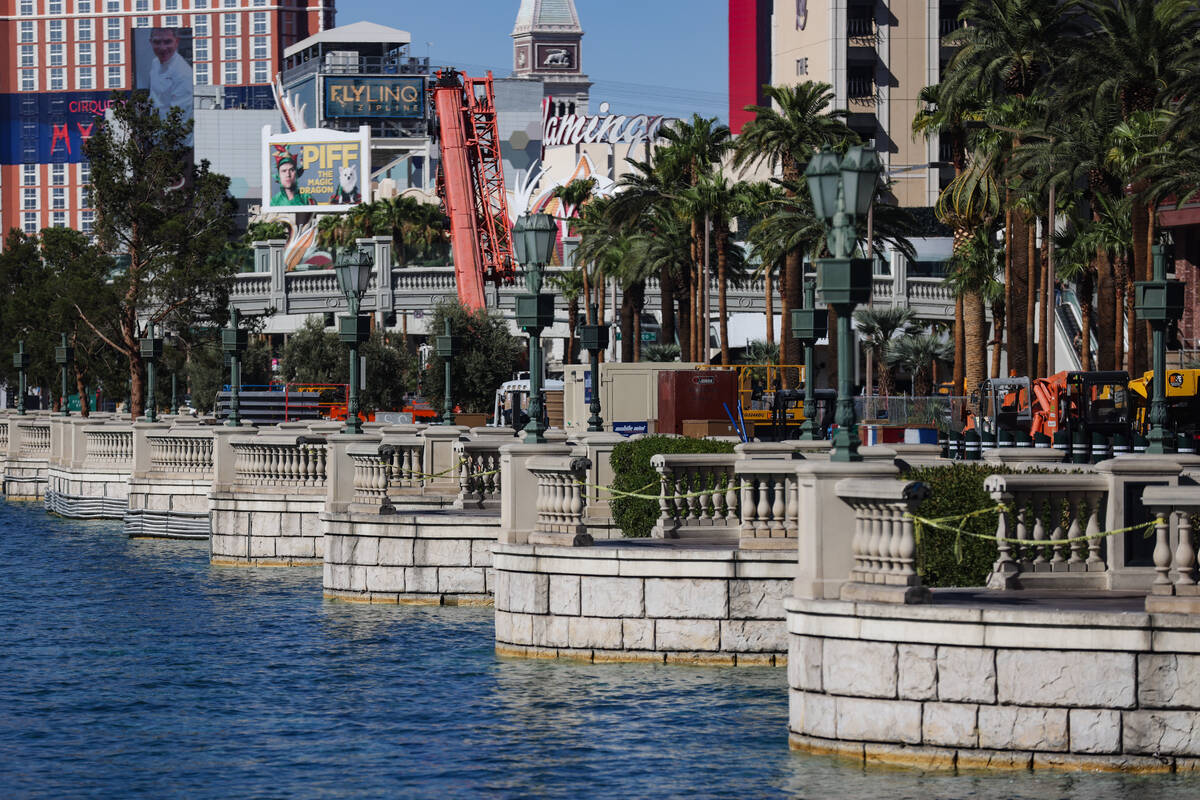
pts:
[134, 669]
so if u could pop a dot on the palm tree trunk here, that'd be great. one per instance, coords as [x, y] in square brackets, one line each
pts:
[627, 333]
[1106, 306]
[1140, 271]
[792, 290]
[960, 348]
[976, 338]
[666, 299]
[785, 329]
[683, 296]
[638, 293]
[1120, 278]
[722, 266]
[572, 323]
[1018, 283]
[1131, 326]
[770, 303]
[998, 322]
[1031, 297]
[1044, 302]
[1085, 316]
[587, 295]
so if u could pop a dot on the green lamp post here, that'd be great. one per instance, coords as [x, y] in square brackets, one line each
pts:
[444, 346]
[233, 343]
[152, 347]
[353, 275]
[594, 339]
[1159, 302]
[21, 362]
[808, 325]
[533, 241]
[63, 356]
[841, 192]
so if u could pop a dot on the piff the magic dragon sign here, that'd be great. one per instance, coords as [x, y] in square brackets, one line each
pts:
[315, 169]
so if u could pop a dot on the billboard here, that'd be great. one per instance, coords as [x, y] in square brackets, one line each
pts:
[162, 64]
[45, 127]
[317, 168]
[377, 97]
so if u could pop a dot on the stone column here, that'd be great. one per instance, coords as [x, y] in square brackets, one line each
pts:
[224, 459]
[1132, 474]
[76, 453]
[599, 446]
[141, 445]
[518, 489]
[440, 459]
[826, 524]
[339, 470]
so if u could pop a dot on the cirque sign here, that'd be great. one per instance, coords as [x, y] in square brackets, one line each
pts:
[612, 129]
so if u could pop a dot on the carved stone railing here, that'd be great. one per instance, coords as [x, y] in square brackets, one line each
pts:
[177, 452]
[1039, 534]
[768, 506]
[404, 458]
[1175, 588]
[561, 499]
[884, 546]
[698, 495]
[3, 436]
[35, 440]
[479, 470]
[372, 471]
[250, 285]
[108, 448]
[279, 460]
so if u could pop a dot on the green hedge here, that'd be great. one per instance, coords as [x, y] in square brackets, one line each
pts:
[632, 473]
[957, 490]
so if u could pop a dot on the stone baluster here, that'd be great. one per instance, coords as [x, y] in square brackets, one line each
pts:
[1075, 563]
[1185, 555]
[763, 511]
[667, 524]
[1057, 560]
[1162, 553]
[731, 499]
[1038, 507]
[1094, 502]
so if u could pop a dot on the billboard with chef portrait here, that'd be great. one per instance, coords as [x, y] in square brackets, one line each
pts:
[162, 59]
[315, 169]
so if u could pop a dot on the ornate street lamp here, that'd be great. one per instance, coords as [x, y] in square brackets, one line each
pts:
[533, 241]
[152, 347]
[594, 339]
[353, 275]
[1159, 302]
[808, 325]
[63, 356]
[21, 362]
[444, 346]
[233, 344]
[843, 191]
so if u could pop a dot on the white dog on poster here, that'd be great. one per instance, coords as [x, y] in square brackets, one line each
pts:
[347, 193]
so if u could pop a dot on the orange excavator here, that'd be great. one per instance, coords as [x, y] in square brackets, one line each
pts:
[471, 184]
[1073, 402]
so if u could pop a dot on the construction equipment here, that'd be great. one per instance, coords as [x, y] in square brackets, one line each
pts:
[1183, 401]
[471, 184]
[1086, 403]
[1001, 405]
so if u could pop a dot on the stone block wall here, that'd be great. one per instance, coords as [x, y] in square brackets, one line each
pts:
[171, 508]
[87, 494]
[430, 558]
[961, 687]
[262, 529]
[642, 601]
[25, 478]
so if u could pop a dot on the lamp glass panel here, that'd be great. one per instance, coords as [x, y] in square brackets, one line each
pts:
[342, 270]
[543, 232]
[860, 173]
[518, 234]
[823, 174]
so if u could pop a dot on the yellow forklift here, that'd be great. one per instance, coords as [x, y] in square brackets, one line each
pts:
[1183, 404]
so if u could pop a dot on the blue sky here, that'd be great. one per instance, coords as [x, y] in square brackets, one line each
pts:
[645, 56]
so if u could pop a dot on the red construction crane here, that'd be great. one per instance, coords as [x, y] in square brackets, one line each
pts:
[471, 184]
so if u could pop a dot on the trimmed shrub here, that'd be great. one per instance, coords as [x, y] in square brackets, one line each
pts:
[632, 472]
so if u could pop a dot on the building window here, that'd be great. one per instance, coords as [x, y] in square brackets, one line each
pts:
[801, 66]
[113, 77]
[83, 6]
[259, 3]
[83, 30]
[171, 5]
[54, 7]
[229, 25]
[58, 219]
[87, 221]
[113, 6]
[112, 53]
[260, 22]
[200, 50]
[29, 80]
[141, 22]
[54, 30]
[29, 224]
[289, 23]
[200, 71]
[58, 79]
[27, 9]
[141, 5]
[29, 198]
[85, 196]
[85, 77]
[231, 49]
[58, 174]
[28, 55]
[260, 47]
[58, 55]
[85, 173]
[58, 197]
[29, 174]
[26, 34]
[261, 72]
[171, 21]
[199, 3]
[200, 24]
[84, 54]
[232, 73]
[112, 29]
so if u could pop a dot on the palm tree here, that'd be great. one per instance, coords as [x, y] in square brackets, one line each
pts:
[570, 284]
[573, 196]
[917, 353]
[784, 135]
[878, 327]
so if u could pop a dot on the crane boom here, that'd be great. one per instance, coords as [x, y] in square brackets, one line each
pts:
[471, 184]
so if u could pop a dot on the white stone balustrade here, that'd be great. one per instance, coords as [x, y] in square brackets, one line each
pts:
[372, 471]
[884, 545]
[560, 501]
[768, 506]
[279, 460]
[698, 496]
[35, 439]
[404, 456]
[182, 451]
[479, 470]
[1039, 534]
[3, 436]
[1175, 588]
[108, 447]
